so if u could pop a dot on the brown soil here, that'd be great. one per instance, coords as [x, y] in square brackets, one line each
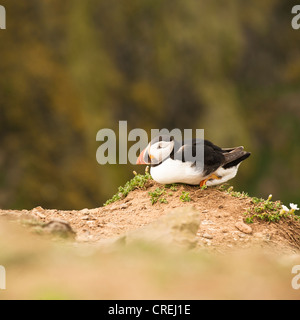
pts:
[221, 229]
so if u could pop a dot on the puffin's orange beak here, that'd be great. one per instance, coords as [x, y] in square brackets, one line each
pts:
[144, 154]
[140, 159]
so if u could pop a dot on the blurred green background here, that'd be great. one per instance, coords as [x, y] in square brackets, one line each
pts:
[70, 68]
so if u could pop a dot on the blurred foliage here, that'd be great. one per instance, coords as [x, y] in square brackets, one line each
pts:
[70, 68]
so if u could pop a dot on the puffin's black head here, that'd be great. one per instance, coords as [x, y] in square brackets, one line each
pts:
[157, 150]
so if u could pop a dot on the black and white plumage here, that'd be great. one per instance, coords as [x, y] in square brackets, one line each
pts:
[170, 161]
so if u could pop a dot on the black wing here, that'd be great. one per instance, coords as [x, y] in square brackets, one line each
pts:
[187, 152]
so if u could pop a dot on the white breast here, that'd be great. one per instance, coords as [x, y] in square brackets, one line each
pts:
[176, 171]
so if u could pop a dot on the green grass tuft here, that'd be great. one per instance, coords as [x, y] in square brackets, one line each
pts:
[156, 195]
[265, 210]
[172, 186]
[185, 197]
[137, 182]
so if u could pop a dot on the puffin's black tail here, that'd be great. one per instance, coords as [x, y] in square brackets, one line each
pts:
[234, 156]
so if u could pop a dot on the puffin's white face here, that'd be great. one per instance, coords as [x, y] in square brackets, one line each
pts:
[156, 152]
[160, 150]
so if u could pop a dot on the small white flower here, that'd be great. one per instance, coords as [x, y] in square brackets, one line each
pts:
[294, 206]
[285, 209]
[270, 197]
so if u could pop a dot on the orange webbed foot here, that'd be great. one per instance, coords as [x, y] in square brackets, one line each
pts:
[211, 177]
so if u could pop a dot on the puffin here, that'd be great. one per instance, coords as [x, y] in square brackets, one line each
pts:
[170, 162]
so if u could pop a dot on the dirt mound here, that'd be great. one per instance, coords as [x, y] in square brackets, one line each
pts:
[222, 217]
